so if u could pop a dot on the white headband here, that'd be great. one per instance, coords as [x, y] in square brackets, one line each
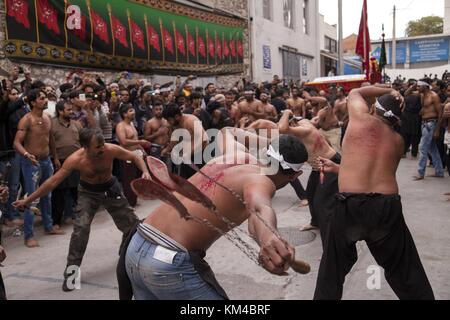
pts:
[387, 114]
[285, 165]
[423, 84]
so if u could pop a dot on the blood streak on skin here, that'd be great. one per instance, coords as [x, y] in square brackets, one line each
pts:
[211, 183]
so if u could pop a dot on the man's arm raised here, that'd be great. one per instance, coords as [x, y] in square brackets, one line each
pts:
[276, 256]
[125, 155]
[285, 128]
[357, 103]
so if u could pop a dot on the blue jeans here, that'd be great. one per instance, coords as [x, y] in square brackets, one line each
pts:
[155, 280]
[33, 177]
[428, 145]
[13, 185]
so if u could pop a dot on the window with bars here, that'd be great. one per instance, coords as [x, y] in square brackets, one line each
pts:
[267, 9]
[288, 13]
[306, 16]
[291, 65]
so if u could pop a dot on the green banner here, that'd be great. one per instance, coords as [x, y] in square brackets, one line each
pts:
[129, 35]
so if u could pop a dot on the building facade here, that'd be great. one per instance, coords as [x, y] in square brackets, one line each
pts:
[285, 39]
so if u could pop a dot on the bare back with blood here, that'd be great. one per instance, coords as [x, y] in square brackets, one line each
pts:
[195, 236]
[315, 143]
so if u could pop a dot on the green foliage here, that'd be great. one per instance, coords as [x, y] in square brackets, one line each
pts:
[425, 26]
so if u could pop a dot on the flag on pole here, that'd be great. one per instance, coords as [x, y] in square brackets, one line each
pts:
[137, 35]
[201, 47]
[100, 27]
[119, 31]
[168, 41]
[191, 43]
[363, 42]
[154, 38]
[181, 44]
[48, 16]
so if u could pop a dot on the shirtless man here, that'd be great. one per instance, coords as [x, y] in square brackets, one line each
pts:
[33, 141]
[329, 126]
[270, 111]
[368, 206]
[232, 107]
[296, 104]
[320, 193]
[340, 110]
[198, 137]
[169, 250]
[98, 187]
[157, 131]
[251, 107]
[431, 112]
[128, 138]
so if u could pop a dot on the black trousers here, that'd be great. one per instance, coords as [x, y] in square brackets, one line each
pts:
[321, 198]
[412, 141]
[299, 190]
[2, 289]
[378, 220]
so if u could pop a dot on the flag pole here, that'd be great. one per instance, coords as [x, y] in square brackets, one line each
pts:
[131, 33]
[65, 23]
[148, 38]
[176, 40]
[37, 22]
[340, 41]
[163, 40]
[112, 29]
[88, 3]
[187, 41]
[196, 34]
[207, 46]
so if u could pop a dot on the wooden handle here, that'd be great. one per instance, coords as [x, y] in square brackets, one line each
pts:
[301, 267]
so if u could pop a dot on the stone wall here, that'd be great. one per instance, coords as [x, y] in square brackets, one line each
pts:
[54, 75]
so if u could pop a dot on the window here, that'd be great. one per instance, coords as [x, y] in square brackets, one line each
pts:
[330, 45]
[288, 13]
[267, 9]
[291, 65]
[305, 16]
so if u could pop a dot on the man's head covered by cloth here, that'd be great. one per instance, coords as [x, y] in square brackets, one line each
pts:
[388, 107]
[291, 154]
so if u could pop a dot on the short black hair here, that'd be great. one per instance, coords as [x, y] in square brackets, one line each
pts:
[124, 109]
[60, 106]
[195, 95]
[87, 134]
[33, 95]
[38, 84]
[171, 110]
[391, 103]
[158, 102]
[292, 150]
[65, 87]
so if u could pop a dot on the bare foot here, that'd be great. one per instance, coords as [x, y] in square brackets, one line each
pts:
[14, 223]
[303, 203]
[31, 243]
[418, 178]
[55, 232]
[309, 227]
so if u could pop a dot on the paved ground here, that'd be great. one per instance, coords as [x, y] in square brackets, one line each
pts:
[37, 273]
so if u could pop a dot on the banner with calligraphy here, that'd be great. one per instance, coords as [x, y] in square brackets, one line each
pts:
[146, 36]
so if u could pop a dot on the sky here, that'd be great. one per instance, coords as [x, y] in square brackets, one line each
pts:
[379, 12]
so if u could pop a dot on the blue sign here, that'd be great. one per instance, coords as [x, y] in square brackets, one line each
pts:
[429, 50]
[376, 53]
[401, 53]
[267, 58]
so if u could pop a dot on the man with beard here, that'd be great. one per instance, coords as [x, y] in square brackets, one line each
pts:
[232, 107]
[250, 107]
[157, 132]
[431, 111]
[128, 139]
[269, 110]
[296, 104]
[193, 145]
[33, 142]
[369, 207]
[98, 187]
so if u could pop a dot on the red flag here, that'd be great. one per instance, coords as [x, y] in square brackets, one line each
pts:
[18, 9]
[240, 49]
[154, 38]
[233, 48]
[226, 48]
[168, 41]
[48, 15]
[191, 43]
[100, 27]
[211, 48]
[181, 45]
[137, 35]
[363, 42]
[201, 47]
[218, 47]
[119, 31]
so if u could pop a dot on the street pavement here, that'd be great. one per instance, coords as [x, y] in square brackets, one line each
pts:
[37, 273]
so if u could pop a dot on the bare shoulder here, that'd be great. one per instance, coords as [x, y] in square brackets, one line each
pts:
[75, 160]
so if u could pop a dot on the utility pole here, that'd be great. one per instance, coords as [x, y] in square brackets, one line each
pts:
[340, 41]
[394, 43]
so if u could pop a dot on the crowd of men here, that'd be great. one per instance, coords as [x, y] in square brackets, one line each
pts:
[65, 151]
